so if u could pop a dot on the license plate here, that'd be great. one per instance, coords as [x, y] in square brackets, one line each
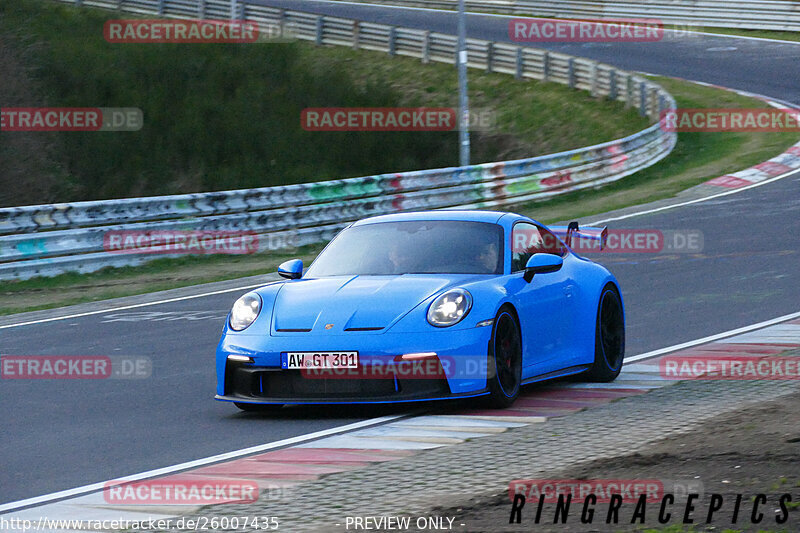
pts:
[307, 360]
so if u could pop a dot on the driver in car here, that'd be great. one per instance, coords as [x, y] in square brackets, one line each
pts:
[487, 258]
[401, 257]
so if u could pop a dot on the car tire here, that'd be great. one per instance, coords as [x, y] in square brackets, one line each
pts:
[257, 407]
[504, 371]
[609, 345]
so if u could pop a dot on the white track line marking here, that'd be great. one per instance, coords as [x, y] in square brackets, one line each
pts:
[695, 201]
[133, 306]
[375, 421]
[13, 506]
[770, 101]
[711, 338]
[94, 487]
[500, 15]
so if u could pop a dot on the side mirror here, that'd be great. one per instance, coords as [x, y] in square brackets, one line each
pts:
[542, 264]
[291, 269]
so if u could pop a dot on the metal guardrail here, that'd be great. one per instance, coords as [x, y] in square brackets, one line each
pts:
[745, 14]
[46, 240]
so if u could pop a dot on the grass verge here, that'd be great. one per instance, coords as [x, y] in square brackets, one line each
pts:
[762, 34]
[227, 116]
[697, 157]
[160, 274]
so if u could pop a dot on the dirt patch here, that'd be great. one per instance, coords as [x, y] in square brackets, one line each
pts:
[751, 452]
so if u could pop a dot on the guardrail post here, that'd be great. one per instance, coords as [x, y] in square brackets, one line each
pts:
[356, 33]
[320, 29]
[489, 56]
[518, 73]
[571, 73]
[426, 47]
[643, 98]
[662, 104]
[78, 3]
[652, 102]
[628, 91]
[282, 23]
[612, 84]
[392, 40]
[593, 81]
[546, 66]
[232, 12]
[201, 9]
[160, 8]
[119, 5]
[242, 9]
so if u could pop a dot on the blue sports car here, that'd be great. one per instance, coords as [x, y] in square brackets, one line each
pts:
[422, 306]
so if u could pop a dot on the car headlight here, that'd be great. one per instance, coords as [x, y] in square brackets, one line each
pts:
[245, 311]
[449, 308]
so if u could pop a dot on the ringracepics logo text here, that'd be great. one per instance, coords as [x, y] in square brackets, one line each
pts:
[632, 501]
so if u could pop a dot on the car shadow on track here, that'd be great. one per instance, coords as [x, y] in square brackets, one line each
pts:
[365, 411]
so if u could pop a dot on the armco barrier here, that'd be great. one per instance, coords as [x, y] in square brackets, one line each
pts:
[746, 14]
[46, 240]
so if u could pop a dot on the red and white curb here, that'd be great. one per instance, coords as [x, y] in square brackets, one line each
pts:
[278, 471]
[781, 164]
[777, 166]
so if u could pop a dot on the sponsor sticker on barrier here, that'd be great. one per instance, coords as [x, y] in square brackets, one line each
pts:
[532, 30]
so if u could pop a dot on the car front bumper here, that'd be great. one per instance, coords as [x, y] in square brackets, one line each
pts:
[458, 370]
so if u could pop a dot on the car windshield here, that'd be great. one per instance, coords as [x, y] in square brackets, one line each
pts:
[413, 247]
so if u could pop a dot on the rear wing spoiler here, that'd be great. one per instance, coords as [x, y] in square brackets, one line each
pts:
[568, 233]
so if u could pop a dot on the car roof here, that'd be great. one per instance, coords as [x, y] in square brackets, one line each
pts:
[444, 214]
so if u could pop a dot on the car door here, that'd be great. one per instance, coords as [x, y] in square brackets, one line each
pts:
[546, 304]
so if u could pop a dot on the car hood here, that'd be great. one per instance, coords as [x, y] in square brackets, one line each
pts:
[351, 303]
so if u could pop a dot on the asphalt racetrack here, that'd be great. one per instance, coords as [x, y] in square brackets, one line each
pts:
[62, 434]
